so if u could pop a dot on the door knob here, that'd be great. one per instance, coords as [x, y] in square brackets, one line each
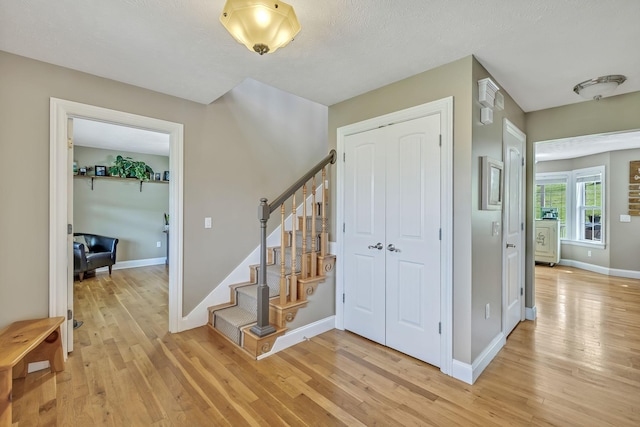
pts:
[392, 248]
[377, 246]
[510, 245]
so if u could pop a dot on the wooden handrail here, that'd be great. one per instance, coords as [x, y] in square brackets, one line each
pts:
[331, 158]
[308, 260]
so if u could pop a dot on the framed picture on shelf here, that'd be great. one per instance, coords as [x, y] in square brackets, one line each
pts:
[165, 176]
[157, 176]
[101, 170]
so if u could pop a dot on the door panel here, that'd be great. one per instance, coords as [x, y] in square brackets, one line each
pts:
[365, 216]
[513, 220]
[409, 295]
[412, 227]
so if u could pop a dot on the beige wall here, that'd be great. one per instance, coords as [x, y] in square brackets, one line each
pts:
[117, 208]
[453, 79]
[232, 149]
[477, 258]
[620, 251]
[486, 249]
[625, 251]
[611, 114]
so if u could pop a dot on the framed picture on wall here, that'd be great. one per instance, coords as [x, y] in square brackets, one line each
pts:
[491, 183]
[101, 170]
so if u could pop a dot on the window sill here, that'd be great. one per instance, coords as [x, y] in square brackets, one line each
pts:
[583, 243]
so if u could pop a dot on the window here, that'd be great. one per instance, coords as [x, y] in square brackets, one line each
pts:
[578, 196]
[551, 192]
[589, 202]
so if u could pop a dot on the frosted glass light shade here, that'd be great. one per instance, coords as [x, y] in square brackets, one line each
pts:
[262, 26]
[600, 87]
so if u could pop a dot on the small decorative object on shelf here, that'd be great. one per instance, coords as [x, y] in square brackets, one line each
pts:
[158, 176]
[166, 221]
[83, 171]
[165, 176]
[101, 170]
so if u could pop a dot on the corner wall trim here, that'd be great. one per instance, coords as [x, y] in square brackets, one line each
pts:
[470, 373]
[531, 313]
[303, 333]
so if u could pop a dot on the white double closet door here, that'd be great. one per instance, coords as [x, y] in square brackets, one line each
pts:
[392, 246]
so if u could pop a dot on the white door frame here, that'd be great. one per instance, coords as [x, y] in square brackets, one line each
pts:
[444, 107]
[60, 111]
[511, 129]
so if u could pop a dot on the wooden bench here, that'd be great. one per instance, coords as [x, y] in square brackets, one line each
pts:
[22, 343]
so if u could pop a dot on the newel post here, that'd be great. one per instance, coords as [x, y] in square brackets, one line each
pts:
[263, 327]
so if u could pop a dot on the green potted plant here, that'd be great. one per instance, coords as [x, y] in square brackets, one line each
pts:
[126, 167]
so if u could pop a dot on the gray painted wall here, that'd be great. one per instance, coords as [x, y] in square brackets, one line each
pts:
[620, 251]
[117, 208]
[251, 143]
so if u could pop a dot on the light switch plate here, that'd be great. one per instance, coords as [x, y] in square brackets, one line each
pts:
[207, 222]
[625, 218]
[495, 228]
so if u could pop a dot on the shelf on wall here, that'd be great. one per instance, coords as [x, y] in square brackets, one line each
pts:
[93, 177]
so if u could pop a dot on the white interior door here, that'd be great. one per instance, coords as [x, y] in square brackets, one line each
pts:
[392, 246]
[365, 235]
[513, 227]
[412, 238]
[70, 235]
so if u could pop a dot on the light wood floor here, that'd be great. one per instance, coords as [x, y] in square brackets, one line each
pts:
[577, 365]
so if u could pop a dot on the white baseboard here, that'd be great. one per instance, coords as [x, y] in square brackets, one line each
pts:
[470, 373]
[121, 265]
[38, 366]
[333, 247]
[531, 313]
[631, 274]
[303, 333]
[199, 316]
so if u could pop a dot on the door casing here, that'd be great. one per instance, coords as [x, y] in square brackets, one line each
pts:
[509, 129]
[60, 111]
[444, 107]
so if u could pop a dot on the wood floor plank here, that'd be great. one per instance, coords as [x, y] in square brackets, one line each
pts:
[578, 364]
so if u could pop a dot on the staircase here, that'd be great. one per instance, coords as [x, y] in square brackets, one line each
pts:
[292, 271]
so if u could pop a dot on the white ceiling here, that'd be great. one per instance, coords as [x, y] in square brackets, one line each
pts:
[536, 50]
[568, 148]
[90, 133]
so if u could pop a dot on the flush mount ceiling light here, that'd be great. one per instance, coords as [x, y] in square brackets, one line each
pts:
[262, 26]
[600, 87]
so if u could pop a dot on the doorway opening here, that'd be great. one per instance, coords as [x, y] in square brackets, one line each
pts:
[59, 226]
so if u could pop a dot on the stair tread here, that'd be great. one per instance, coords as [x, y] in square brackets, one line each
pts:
[236, 316]
[252, 291]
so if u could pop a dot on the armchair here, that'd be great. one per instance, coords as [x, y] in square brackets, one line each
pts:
[91, 251]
